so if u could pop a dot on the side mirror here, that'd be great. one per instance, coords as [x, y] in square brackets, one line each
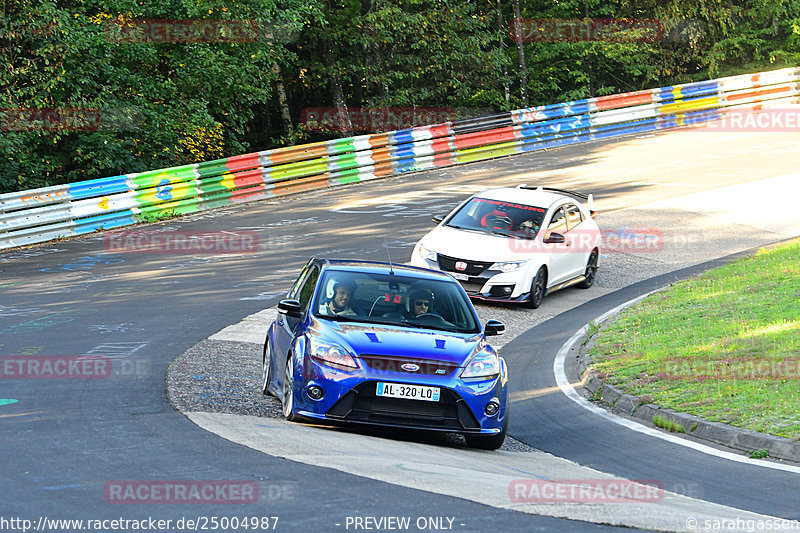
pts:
[494, 327]
[554, 238]
[290, 308]
[437, 218]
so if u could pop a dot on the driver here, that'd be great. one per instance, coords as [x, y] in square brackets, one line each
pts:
[498, 218]
[339, 303]
[420, 302]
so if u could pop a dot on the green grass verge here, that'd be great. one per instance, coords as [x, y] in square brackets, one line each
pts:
[724, 346]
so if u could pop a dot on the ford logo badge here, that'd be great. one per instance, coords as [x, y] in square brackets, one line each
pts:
[409, 367]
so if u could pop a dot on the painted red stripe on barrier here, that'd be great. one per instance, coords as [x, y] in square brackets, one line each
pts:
[440, 130]
[472, 140]
[242, 162]
[443, 160]
[441, 144]
[248, 178]
[760, 92]
[623, 100]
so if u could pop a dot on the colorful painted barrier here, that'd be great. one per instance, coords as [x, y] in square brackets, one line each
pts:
[40, 215]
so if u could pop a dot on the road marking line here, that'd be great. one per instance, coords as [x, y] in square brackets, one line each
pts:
[565, 386]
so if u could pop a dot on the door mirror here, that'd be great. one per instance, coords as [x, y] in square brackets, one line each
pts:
[554, 238]
[494, 327]
[290, 308]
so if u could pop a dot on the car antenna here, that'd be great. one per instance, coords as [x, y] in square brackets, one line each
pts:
[391, 267]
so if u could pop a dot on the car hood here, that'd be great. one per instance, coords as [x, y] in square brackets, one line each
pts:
[476, 246]
[409, 343]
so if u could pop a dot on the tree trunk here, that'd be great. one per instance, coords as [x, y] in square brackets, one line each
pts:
[502, 36]
[283, 104]
[523, 69]
[337, 94]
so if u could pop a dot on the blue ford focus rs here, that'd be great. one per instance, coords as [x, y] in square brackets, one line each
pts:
[386, 345]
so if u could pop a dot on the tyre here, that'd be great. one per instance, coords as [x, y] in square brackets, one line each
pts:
[287, 402]
[266, 370]
[591, 271]
[538, 287]
[488, 442]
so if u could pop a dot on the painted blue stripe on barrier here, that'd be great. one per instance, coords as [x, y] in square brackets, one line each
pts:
[556, 126]
[705, 88]
[630, 127]
[105, 221]
[405, 165]
[402, 137]
[98, 187]
[404, 151]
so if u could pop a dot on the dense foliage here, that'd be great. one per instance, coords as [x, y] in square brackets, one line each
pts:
[83, 95]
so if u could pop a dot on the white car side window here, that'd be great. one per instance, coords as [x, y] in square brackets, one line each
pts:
[574, 215]
[558, 223]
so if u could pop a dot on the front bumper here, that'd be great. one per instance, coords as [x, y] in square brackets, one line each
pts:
[351, 398]
[486, 285]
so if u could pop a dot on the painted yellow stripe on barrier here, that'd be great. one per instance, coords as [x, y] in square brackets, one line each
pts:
[691, 105]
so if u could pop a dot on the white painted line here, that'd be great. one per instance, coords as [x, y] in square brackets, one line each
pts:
[565, 386]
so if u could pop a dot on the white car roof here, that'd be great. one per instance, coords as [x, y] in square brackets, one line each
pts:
[523, 196]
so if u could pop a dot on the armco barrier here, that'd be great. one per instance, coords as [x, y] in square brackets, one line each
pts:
[40, 215]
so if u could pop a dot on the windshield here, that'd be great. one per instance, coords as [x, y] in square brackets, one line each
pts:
[394, 300]
[498, 217]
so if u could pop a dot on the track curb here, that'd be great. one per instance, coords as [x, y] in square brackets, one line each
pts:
[639, 408]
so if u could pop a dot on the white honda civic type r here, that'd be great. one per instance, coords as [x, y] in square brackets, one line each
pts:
[515, 244]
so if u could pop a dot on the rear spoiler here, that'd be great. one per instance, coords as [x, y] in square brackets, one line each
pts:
[588, 198]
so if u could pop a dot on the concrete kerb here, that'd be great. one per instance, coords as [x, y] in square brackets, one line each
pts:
[641, 409]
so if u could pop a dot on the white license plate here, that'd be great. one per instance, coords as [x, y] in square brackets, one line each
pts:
[409, 392]
[459, 276]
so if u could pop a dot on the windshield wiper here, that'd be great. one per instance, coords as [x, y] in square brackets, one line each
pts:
[342, 318]
[422, 325]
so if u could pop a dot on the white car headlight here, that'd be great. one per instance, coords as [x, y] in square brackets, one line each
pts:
[485, 364]
[425, 253]
[508, 266]
[331, 354]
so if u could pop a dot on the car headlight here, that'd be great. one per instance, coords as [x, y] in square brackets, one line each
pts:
[425, 253]
[484, 364]
[507, 266]
[331, 354]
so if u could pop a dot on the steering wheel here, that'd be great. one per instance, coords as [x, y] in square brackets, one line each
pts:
[435, 316]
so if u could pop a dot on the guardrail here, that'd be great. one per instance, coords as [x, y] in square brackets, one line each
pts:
[39, 215]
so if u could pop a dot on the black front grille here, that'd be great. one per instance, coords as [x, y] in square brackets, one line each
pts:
[362, 405]
[394, 364]
[471, 287]
[473, 268]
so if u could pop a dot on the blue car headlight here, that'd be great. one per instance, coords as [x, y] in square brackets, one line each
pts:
[331, 354]
[483, 365]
